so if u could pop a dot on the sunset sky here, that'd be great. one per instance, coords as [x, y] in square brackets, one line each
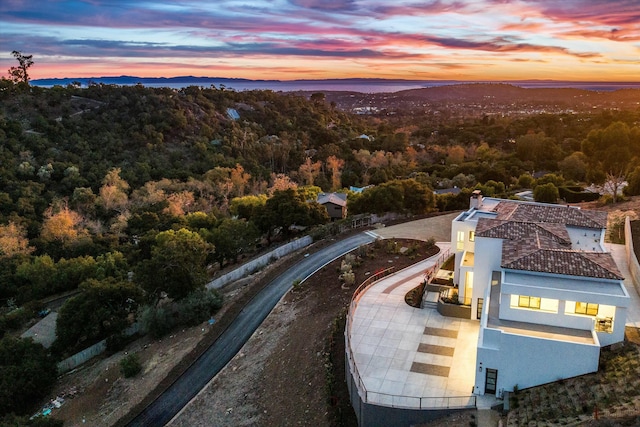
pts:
[579, 40]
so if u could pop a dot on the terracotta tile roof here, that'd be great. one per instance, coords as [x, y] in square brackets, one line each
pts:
[530, 212]
[536, 239]
[527, 257]
[517, 230]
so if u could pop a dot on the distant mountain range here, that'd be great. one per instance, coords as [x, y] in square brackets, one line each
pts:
[363, 85]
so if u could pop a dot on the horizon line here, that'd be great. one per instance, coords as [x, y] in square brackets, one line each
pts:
[123, 76]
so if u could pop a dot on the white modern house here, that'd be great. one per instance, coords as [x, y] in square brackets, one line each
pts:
[545, 290]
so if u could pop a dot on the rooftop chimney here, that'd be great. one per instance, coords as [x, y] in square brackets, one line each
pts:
[476, 199]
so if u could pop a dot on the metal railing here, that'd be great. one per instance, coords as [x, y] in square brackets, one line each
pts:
[384, 399]
[431, 272]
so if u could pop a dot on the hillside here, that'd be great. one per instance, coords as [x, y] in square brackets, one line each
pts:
[492, 98]
[123, 201]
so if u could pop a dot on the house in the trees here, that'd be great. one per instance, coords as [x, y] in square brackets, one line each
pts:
[547, 293]
[335, 204]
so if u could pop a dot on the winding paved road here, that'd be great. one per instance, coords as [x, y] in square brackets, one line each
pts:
[198, 375]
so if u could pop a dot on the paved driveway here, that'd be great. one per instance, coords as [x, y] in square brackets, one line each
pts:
[438, 227]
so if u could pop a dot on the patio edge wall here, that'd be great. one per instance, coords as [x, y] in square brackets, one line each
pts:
[634, 266]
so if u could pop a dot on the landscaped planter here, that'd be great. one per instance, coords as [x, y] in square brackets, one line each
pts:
[431, 287]
[454, 310]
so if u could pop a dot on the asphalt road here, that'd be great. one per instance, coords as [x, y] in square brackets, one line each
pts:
[198, 375]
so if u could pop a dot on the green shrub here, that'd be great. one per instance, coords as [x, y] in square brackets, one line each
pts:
[156, 321]
[392, 247]
[576, 195]
[130, 365]
[198, 306]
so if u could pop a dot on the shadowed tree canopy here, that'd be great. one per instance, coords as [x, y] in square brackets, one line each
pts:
[231, 238]
[400, 196]
[101, 310]
[287, 208]
[611, 152]
[27, 373]
[177, 265]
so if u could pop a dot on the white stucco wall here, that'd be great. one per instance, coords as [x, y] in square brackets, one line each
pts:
[488, 256]
[527, 362]
[565, 289]
[465, 227]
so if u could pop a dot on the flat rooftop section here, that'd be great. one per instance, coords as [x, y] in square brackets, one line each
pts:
[581, 284]
[411, 357]
[532, 329]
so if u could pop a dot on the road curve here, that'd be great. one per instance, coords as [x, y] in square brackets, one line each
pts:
[198, 375]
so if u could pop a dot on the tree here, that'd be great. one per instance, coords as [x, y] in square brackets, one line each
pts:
[574, 166]
[199, 220]
[27, 373]
[13, 241]
[526, 180]
[379, 199]
[455, 155]
[288, 208]
[37, 276]
[492, 188]
[546, 193]
[113, 193]
[101, 310]
[231, 238]
[239, 178]
[20, 74]
[309, 171]
[179, 203]
[246, 207]
[177, 265]
[609, 152]
[309, 192]
[539, 148]
[633, 189]
[281, 182]
[557, 180]
[418, 198]
[83, 200]
[63, 227]
[335, 165]
[400, 196]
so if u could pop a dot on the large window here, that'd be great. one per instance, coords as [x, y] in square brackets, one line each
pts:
[525, 301]
[534, 303]
[588, 308]
[472, 236]
[460, 241]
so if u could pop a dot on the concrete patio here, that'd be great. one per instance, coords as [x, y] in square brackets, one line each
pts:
[409, 357]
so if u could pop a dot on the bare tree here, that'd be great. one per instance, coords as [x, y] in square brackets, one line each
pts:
[20, 73]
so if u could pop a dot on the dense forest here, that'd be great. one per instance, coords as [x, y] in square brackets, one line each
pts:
[126, 197]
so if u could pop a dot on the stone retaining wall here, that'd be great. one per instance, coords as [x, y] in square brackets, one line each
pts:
[260, 262]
